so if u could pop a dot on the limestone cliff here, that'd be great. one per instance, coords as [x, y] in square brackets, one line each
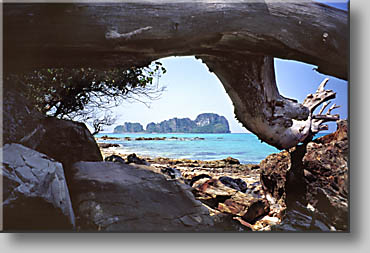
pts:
[128, 127]
[204, 123]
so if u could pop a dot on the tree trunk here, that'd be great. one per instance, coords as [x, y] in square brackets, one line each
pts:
[237, 40]
[106, 35]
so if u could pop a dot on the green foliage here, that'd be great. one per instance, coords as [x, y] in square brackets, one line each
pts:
[71, 93]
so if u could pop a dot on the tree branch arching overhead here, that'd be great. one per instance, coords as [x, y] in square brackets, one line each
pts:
[237, 40]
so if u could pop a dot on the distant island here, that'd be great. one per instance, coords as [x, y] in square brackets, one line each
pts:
[204, 123]
[128, 127]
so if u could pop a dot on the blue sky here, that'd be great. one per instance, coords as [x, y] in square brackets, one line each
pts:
[191, 89]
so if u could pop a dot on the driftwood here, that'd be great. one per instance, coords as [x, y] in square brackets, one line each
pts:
[237, 40]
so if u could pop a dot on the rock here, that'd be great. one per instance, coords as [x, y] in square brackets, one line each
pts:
[254, 166]
[327, 160]
[272, 221]
[106, 137]
[325, 172]
[132, 198]
[150, 139]
[301, 219]
[273, 174]
[174, 125]
[19, 116]
[36, 195]
[204, 123]
[227, 206]
[225, 222]
[172, 172]
[198, 177]
[64, 140]
[211, 123]
[132, 158]
[115, 158]
[341, 134]
[231, 160]
[237, 184]
[256, 210]
[107, 145]
[187, 138]
[216, 195]
[128, 127]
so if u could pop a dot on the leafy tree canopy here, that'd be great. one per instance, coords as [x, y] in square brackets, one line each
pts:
[85, 93]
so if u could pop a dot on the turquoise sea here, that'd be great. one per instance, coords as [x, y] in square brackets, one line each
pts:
[243, 146]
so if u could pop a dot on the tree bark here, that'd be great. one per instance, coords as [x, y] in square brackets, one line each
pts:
[237, 40]
[107, 35]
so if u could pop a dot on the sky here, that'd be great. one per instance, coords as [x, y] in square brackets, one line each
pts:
[191, 90]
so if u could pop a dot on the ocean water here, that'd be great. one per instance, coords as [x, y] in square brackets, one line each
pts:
[243, 146]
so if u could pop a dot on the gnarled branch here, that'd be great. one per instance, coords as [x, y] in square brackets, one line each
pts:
[237, 40]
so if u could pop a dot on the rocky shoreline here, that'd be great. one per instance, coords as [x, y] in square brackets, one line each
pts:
[215, 183]
[105, 138]
[253, 197]
[57, 177]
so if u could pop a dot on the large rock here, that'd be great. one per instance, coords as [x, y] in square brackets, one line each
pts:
[232, 192]
[35, 195]
[129, 127]
[204, 123]
[250, 206]
[325, 171]
[273, 174]
[211, 123]
[111, 196]
[302, 219]
[64, 140]
[174, 125]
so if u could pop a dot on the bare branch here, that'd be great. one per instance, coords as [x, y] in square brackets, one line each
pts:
[322, 85]
[326, 117]
[324, 105]
[312, 101]
[100, 123]
[334, 106]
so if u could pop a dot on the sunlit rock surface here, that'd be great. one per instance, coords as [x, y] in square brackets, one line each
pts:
[112, 196]
[36, 195]
[129, 127]
[231, 191]
[204, 123]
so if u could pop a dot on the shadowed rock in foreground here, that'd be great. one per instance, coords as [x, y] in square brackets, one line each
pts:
[325, 172]
[64, 140]
[110, 196]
